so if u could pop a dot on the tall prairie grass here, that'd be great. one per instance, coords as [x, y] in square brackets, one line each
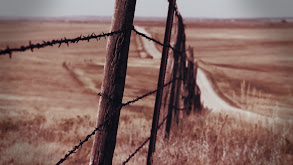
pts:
[220, 139]
[251, 98]
[203, 139]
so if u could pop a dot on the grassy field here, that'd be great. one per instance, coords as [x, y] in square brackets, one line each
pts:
[250, 67]
[261, 53]
[48, 98]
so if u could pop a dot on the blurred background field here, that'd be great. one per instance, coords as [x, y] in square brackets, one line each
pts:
[48, 98]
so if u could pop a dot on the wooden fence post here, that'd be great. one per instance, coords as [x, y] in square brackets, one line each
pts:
[164, 59]
[181, 71]
[113, 83]
[189, 87]
[196, 100]
[192, 99]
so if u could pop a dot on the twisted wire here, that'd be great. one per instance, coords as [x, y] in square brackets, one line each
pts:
[75, 148]
[143, 144]
[59, 42]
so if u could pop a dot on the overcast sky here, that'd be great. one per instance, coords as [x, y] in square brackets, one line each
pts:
[150, 8]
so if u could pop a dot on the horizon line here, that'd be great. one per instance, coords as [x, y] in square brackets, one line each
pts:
[137, 18]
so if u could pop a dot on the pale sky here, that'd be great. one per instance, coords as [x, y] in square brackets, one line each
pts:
[150, 8]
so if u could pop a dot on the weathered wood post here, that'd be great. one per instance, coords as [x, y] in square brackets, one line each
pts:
[192, 101]
[189, 87]
[113, 83]
[161, 81]
[196, 101]
[181, 71]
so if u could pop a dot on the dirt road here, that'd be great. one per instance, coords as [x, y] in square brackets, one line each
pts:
[148, 46]
[211, 99]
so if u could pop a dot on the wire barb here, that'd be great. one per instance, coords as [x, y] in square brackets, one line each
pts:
[98, 128]
[31, 46]
[156, 41]
[143, 144]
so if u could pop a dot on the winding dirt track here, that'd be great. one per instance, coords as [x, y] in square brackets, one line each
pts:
[211, 99]
[148, 46]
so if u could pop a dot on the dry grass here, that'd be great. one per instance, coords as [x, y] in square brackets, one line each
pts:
[251, 98]
[219, 139]
[34, 140]
[206, 138]
[259, 94]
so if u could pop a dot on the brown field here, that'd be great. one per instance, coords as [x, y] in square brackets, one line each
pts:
[48, 98]
[260, 53]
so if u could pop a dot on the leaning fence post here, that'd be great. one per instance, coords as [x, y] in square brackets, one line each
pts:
[161, 81]
[178, 43]
[166, 95]
[113, 83]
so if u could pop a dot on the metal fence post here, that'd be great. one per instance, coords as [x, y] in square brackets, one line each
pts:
[178, 43]
[161, 81]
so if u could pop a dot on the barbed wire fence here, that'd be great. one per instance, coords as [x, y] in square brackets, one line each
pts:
[178, 74]
[106, 120]
[9, 51]
[59, 42]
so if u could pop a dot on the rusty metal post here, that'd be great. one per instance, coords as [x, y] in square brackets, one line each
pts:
[113, 83]
[166, 95]
[161, 81]
[178, 43]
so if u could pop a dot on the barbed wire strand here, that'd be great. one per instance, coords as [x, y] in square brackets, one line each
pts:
[75, 148]
[106, 120]
[143, 144]
[154, 40]
[61, 41]
[177, 13]
[150, 93]
[158, 42]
